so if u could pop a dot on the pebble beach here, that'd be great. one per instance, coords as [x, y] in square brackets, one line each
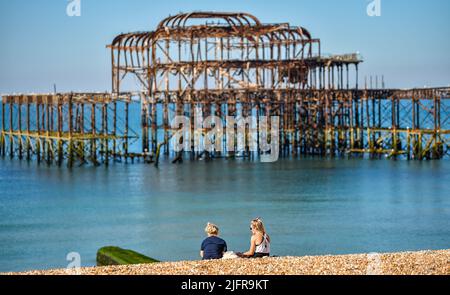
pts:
[404, 263]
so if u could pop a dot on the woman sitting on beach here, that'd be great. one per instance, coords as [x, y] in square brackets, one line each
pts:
[259, 242]
[213, 247]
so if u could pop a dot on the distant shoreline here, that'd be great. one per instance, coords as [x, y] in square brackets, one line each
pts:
[402, 263]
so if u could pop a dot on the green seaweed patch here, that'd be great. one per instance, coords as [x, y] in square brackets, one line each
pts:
[117, 256]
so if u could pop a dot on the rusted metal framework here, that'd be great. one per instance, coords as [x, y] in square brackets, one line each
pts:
[411, 123]
[76, 128]
[228, 64]
[414, 124]
[223, 62]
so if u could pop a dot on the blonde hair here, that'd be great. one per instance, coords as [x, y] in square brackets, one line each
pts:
[212, 229]
[258, 225]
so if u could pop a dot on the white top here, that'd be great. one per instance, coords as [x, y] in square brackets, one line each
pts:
[264, 247]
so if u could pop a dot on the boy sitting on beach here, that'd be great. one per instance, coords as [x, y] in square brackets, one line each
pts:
[213, 247]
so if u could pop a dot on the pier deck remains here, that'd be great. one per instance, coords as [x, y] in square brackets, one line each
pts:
[227, 64]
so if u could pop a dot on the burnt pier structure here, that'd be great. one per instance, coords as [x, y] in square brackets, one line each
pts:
[229, 64]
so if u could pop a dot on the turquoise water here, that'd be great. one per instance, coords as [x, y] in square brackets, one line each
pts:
[310, 206]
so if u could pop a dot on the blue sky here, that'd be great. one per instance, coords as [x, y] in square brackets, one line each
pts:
[40, 45]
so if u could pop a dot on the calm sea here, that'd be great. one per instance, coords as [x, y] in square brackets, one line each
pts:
[310, 206]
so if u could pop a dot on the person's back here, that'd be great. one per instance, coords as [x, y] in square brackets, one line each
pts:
[213, 247]
[263, 248]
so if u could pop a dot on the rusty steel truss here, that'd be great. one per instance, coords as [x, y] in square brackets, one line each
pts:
[231, 64]
[76, 128]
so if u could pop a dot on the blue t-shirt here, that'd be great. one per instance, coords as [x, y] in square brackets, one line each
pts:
[213, 248]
